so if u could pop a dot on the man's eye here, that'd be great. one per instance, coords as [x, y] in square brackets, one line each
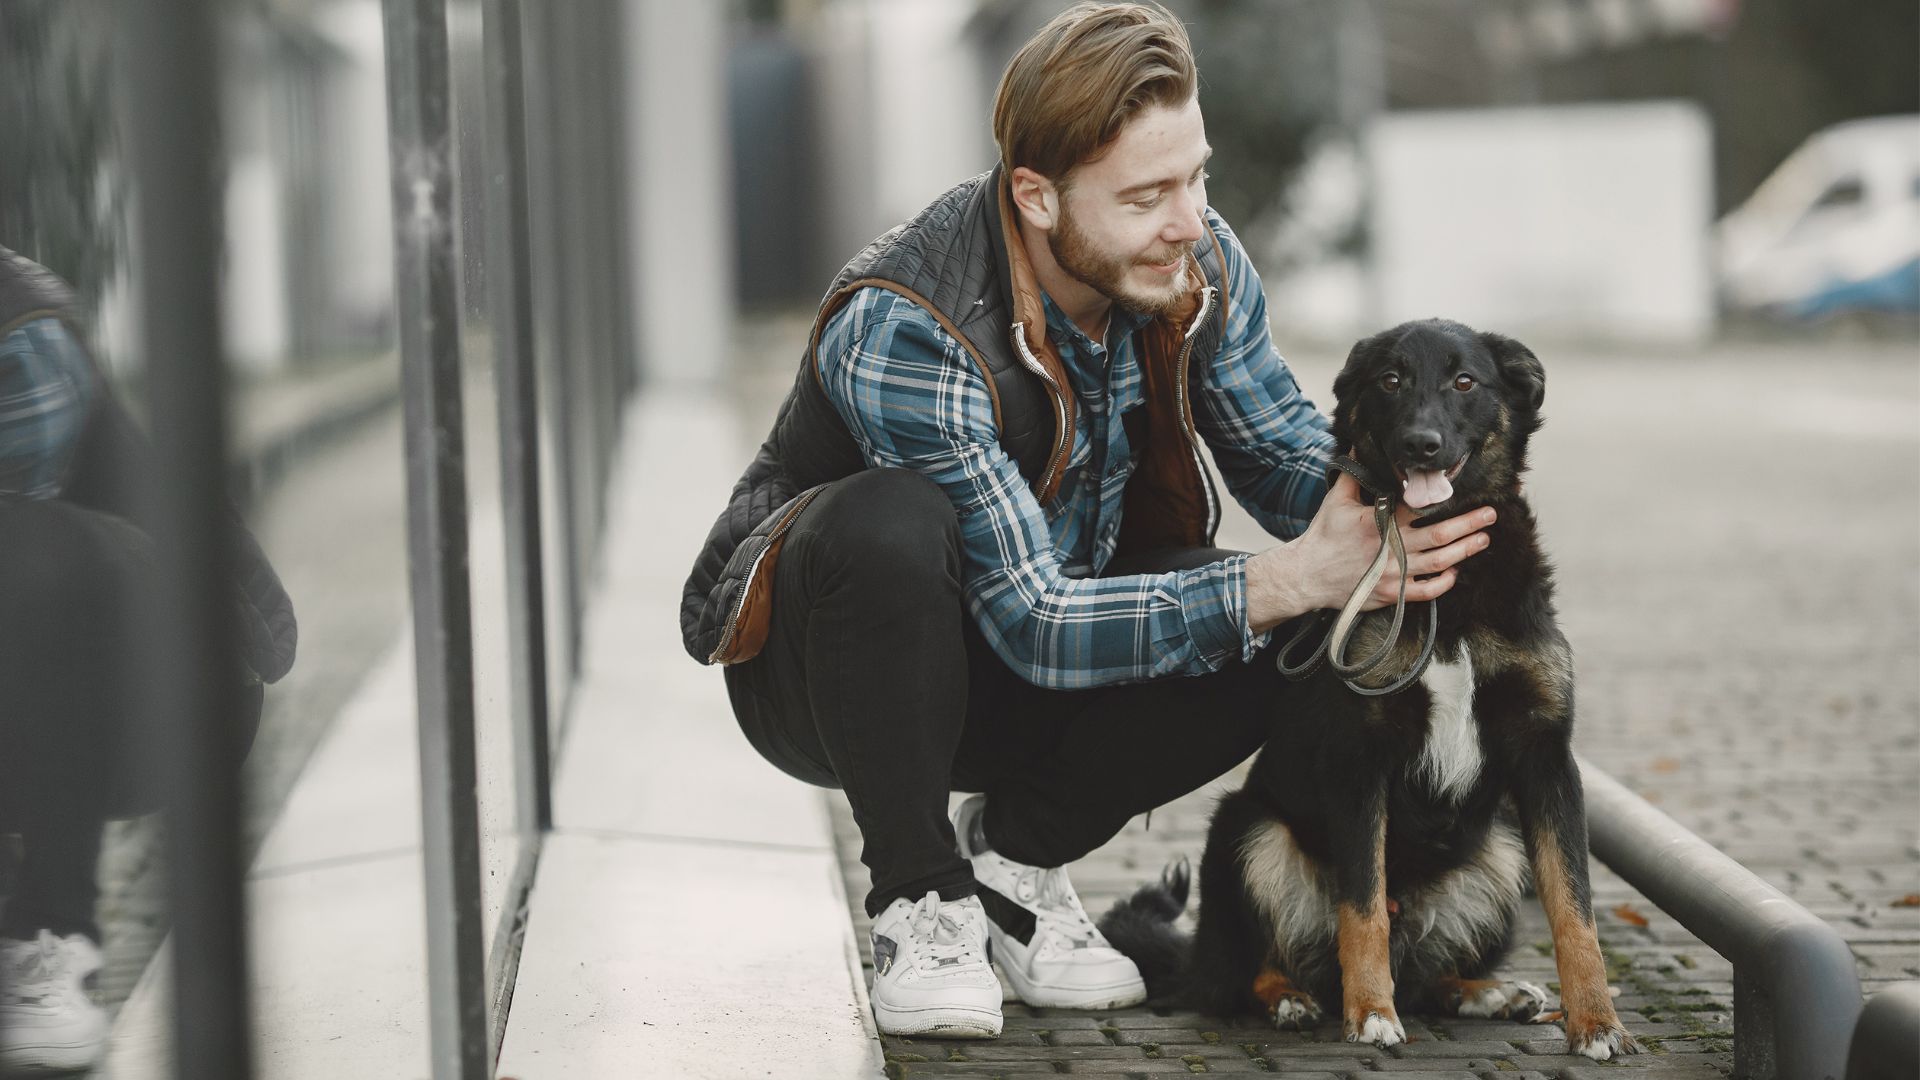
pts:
[1147, 203]
[1463, 382]
[1390, 381]
[1200, 177]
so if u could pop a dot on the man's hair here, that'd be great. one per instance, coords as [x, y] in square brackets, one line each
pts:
[1074, 85]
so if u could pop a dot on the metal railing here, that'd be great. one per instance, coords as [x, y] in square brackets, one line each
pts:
[1796, 991]
[550, 112]
[554, 268]
[1886, 1041]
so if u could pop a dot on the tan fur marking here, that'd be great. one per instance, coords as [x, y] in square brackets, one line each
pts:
[1576, 947]
[1365, 975]
[1550, 669]
[1454, 989]
[1366, 970]
[1271, 987]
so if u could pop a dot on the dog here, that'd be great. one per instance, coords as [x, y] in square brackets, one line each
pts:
[1377, 856]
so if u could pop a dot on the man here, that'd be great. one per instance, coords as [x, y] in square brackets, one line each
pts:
[76, 568]
[975, 552]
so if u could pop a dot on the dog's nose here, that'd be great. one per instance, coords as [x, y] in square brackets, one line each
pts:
[1421, 445]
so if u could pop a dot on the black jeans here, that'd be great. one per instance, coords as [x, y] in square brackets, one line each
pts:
[875, 680]
[72, 582]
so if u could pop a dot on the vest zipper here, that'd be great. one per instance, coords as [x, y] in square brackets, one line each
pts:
[1019, 334]
[731, 629]
[1186, 412]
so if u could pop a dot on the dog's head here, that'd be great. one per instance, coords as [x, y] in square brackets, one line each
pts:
[1443, 409]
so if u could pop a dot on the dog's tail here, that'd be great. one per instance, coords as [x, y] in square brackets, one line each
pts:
[1142, 927]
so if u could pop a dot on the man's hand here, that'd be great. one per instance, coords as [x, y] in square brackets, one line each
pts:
[1321, 567]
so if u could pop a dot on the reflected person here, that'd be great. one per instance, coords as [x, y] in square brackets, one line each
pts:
[996, 569]
[76, 571]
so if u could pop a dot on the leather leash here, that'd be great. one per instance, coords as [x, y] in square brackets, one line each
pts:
[1332, 649]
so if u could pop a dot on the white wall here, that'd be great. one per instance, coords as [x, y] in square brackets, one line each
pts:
[931, 116]
[359, 254]
[254, 279]
[901, 112]
[678, 164]
[1575, 221]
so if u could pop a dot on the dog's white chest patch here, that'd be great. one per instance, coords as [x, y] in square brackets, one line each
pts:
[1450, 761]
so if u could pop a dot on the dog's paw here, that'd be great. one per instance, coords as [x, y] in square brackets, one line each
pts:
[1380, 1029]
[1296, 1010]
[1602, 1041]
[1519, 1001]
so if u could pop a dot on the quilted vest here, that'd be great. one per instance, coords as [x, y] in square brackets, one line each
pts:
[957, 260]
[112, 467]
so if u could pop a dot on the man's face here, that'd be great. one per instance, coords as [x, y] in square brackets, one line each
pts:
[1127, 220]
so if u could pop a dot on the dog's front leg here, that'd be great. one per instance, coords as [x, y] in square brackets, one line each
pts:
[1553, 817]
[1366, 971]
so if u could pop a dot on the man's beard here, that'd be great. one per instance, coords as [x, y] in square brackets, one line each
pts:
[1106, 273]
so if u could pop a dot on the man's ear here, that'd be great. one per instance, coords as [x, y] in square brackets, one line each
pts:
[1035, 198]
[1520, 368]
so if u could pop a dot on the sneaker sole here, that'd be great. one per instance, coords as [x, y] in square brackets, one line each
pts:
[50, 1059]
[945, 1021]
[1119, 995]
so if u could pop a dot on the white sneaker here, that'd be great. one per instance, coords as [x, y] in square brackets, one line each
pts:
[1047, 947]
[48, 1021]
[931, 974]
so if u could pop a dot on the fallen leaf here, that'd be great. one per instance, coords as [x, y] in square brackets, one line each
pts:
[1626, 914]
[1664, 765]
[1912, 899]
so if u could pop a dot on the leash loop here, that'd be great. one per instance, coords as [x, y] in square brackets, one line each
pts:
[1332, 647]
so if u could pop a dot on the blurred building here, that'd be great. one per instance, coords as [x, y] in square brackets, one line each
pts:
[1300, 95]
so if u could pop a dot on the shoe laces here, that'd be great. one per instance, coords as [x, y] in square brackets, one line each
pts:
[1059, 907]
[33, 969]
[941, 939]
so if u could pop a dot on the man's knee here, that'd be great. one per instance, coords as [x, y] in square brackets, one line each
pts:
[887, 525]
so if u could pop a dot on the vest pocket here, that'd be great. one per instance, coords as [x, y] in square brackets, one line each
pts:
[746, 593]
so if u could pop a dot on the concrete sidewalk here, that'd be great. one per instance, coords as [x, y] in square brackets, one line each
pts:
[687, 920]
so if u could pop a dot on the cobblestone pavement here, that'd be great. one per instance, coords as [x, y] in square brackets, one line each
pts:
[1737, 533]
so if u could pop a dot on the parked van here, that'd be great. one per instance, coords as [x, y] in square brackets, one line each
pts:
[1835, 228]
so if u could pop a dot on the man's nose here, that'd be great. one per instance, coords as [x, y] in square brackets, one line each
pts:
[1186, 225]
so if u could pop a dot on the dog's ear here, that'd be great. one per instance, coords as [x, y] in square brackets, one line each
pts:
[1357, 366]
[1520, 368]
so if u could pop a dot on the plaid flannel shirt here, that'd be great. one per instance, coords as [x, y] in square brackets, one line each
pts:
[913, 399]
[46, 385]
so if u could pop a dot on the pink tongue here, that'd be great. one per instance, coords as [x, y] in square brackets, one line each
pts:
[1427, 487]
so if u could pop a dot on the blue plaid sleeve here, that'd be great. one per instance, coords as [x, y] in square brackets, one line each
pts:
[46, 383]
[1272, 445]
[914, 399]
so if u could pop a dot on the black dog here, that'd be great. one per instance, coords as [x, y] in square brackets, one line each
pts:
[1377, 855]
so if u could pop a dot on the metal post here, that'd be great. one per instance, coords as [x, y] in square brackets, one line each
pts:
[172, 92]
[427, 268]
[517, 388]
[619, 289]
[578, 97]
[1754, 1055]
[545, 61]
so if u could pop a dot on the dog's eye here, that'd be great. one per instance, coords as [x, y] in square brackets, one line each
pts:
[1390, 381]
[1463, 382]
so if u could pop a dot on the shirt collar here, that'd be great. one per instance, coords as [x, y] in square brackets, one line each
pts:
[1120, 326]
